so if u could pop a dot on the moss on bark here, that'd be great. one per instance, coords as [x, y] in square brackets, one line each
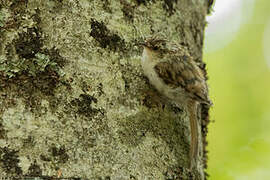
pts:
[73, 97]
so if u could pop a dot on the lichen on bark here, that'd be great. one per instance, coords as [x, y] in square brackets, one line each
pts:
[72, 94]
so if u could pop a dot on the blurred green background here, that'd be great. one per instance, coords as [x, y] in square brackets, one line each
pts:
[237, 53]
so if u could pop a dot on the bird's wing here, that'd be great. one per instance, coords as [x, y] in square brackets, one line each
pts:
[183, 72]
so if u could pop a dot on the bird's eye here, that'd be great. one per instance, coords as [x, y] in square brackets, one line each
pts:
[155, 48]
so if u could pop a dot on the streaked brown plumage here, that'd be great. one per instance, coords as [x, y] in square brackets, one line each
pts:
[175, 74]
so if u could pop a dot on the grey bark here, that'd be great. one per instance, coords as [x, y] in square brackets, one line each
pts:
[72, 94]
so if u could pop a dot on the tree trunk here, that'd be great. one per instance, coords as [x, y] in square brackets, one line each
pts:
[74, 101]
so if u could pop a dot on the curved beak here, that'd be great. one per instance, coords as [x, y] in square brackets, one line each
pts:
[141, 44]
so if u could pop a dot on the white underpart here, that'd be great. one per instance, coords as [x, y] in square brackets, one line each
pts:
[148, 64]
[148, 67]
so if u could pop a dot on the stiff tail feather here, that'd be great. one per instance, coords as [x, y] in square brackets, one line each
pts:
[192, 110]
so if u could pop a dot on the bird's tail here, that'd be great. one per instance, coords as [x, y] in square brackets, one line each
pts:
[192, 110]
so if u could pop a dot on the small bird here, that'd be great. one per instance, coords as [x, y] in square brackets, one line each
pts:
[174, 73]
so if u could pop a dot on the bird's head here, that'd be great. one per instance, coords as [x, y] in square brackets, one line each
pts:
[154, 48]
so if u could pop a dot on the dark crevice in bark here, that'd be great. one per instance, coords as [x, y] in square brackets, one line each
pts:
[105, 37]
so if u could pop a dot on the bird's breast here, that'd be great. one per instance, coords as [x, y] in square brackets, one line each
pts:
[175, 94]
[153, 77]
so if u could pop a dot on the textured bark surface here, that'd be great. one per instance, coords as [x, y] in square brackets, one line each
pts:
[73, 97]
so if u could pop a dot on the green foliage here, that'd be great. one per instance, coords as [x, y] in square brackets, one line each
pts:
[239, 146]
